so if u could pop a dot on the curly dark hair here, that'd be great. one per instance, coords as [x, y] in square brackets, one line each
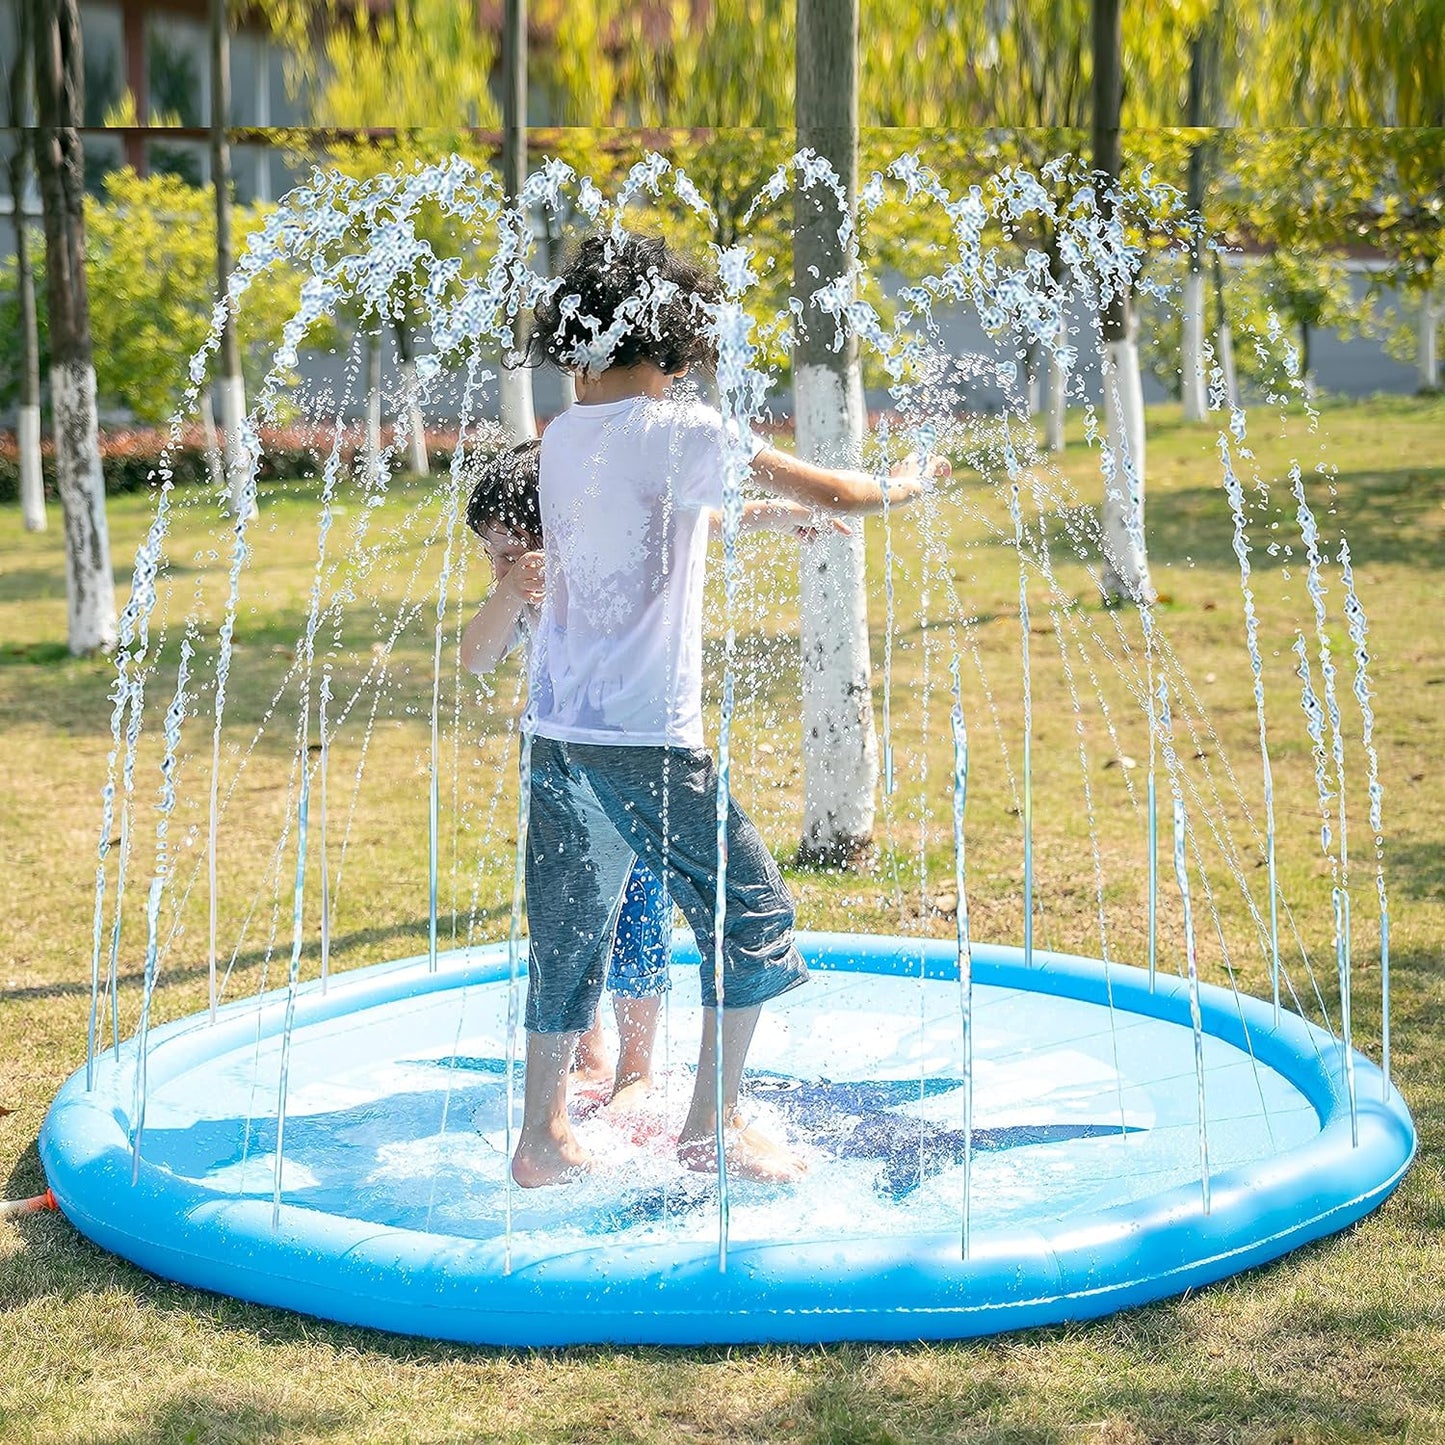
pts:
[624, 299]
[505, 493]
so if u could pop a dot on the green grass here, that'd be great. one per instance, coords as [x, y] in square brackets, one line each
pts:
[1344, 1341]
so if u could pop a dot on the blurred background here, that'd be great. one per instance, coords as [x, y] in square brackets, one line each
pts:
[1305, 132]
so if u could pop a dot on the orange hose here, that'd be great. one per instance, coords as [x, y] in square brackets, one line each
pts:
[12, 1207]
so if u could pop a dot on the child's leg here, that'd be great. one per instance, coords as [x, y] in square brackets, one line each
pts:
[637, 1020]
[759, 959]
[750, 1154]
[638, 976]
[589, 1064]
[548, 1152]
[577, 869]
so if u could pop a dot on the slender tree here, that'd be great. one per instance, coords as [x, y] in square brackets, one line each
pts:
[1191, 358]
[518, 418]
[60, 164]
[1126, 567]
[840, 750]
[232, 384]
[32, 485]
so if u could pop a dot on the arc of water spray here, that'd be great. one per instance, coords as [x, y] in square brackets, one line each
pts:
[175, 716]
[434, 761]
[1315, 722]
[1309, 532]
[1359, 628]
[738, 398]
[965, 947]
[1028, 790]
[1181, 873]
[514, 972]
[248, 457]
[1235, 493]
[324, 767]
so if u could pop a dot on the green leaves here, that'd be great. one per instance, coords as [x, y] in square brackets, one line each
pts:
[150, 268]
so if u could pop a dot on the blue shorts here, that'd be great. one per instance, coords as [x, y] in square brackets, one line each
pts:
[642, 945]
[598, 810]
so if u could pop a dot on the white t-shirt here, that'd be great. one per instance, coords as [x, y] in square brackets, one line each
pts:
[617, 651]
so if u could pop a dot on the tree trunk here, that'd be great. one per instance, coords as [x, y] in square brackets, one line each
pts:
[232, 384]
[518, 416]
[1036, 365]
[840, 750]
[415, 422]
[214, 463]
[1126, 567]
[1427, 355]
[1224, 342]
[59, 163]
[1057, 398]
[1058, 405]
[373, 405]
[27, 431]
[1191, 347]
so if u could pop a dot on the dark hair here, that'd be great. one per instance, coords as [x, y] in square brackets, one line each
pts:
[665, 294]
[506, 493]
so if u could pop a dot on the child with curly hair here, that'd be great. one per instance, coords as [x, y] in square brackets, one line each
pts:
[629, 478]
[503, 510]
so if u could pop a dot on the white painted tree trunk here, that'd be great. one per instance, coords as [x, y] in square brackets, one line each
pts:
[1191, 350]
[569, 389]
[32, 481]
[1427, 355]
[840, 749]
[519, 420]
[214, 463]
[373, 407]
[415, 422]
[1126, 567]
[1058, 405]
[90, 585]
[1225, 344]
[1035, 363]
[233, 415]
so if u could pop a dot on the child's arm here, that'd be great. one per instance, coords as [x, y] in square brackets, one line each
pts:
[492, 632]
[842, 491]
[776, 514]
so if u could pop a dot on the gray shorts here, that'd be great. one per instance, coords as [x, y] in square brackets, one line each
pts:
[594, 809]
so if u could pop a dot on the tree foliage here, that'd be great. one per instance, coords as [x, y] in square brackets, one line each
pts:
[151, 268]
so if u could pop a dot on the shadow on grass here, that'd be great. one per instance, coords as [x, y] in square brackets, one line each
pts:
[190, 1418]
[414, 930]
[1383, 513]
[1416, 869]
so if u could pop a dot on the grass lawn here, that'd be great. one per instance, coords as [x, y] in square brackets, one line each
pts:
[1343, 1341]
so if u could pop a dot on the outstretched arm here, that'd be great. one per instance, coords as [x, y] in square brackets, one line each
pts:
[492, 632]
[842, 491]
[776, 514]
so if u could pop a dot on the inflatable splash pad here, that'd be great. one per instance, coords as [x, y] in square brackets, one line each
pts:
[1081, 1173]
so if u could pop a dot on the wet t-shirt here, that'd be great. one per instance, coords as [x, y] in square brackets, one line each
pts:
[625, 489]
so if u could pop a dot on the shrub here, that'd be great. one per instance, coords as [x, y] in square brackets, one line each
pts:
[130, 460]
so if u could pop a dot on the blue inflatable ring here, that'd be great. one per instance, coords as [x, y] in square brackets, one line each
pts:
[1085, 1192]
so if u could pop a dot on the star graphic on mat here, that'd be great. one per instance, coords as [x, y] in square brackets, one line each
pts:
[864, 1119]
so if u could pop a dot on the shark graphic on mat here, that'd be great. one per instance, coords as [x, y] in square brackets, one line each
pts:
[860, 1120]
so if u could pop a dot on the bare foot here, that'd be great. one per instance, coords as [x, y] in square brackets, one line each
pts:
[589, 1076]
[549, 1157]
[629, 1094]
[750, 1155]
